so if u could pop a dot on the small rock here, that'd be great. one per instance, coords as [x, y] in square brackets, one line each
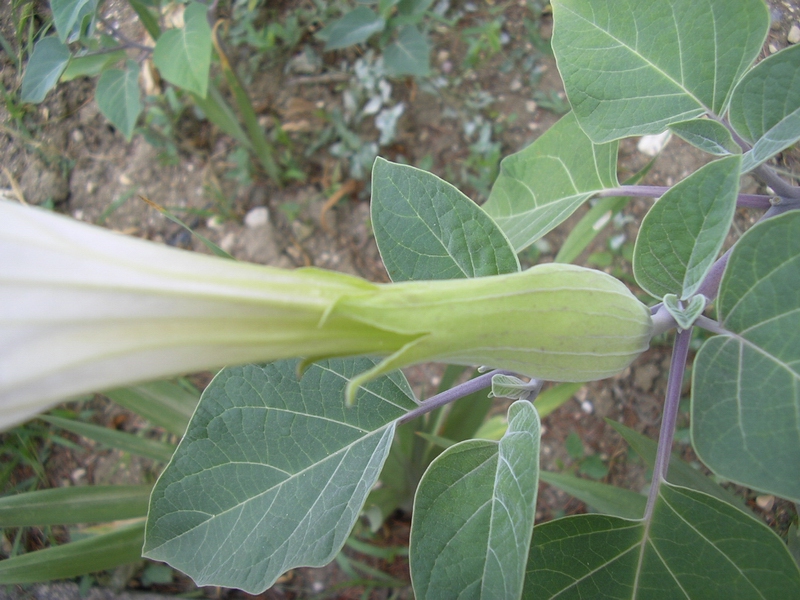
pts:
[794, 35]
[531, 106]
[515, 85]
[257, 217]
[765, 502]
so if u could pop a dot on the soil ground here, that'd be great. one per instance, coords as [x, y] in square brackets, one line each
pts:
[70, 158]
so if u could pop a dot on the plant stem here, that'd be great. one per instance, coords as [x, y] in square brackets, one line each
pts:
[677, 367]
[464, 389]
[656, 191]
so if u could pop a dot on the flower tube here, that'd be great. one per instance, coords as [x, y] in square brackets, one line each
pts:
[85, 309]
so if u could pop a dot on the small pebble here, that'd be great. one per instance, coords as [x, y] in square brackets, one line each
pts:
[257, 217]
[794, 35]
[765, 502]
[587, 407]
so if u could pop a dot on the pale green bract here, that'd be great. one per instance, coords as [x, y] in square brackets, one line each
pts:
[85, 309]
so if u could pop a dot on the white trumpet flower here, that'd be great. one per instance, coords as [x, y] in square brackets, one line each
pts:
[84, 309]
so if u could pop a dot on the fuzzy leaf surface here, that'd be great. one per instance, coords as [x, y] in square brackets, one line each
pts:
[710, 136]
[118, 97]
[183, 56]
[682, 234]
[427, 229]
[409, 54]
[765, 108]
[272, 472]
[47, 63]
[633, 67]
[68, 16]
[543, 184]
[746, 385]
[693, 546]
[355, 27]
[473, 514]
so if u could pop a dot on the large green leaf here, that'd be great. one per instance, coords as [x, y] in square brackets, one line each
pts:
[183, 56]
[272, 472]
[681, 236]
[48, 61]
[542, 185]
[427, 229]
[118, 97]
[473, 514]
[694, 546]
[746, 384]
[355, 27]
[409, 54]
[633, 67]
[765, 107]
[70, 505]
[97, 553]
[68, 15]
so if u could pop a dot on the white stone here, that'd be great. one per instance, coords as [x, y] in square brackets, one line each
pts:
[794, 35]
[257, 217]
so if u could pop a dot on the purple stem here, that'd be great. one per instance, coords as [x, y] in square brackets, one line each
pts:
[677, 367]
[464, 389]
[656, 191]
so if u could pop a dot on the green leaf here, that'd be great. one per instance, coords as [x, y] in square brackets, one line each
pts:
[118, 97]
[427, 229]
[765, 108]
[148, 20]
[355, 27]
[272, 472]
[694, 546]
[413, 7]
[635, 67]
[183, 56]
[681, 236]
[746, 384]
[542, 185]
[163, 403]
[70, 505]
[220, 113]
[68, 15]
[508, 386]
[685, 315]
[91, 65]
[603, 498]
[473, 514]
[409, 54]
[97, 553]
[48, 61]
[126, 442]
[680, 472]
[710, 136]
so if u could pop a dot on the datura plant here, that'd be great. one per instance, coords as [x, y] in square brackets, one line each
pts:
[298, 435]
